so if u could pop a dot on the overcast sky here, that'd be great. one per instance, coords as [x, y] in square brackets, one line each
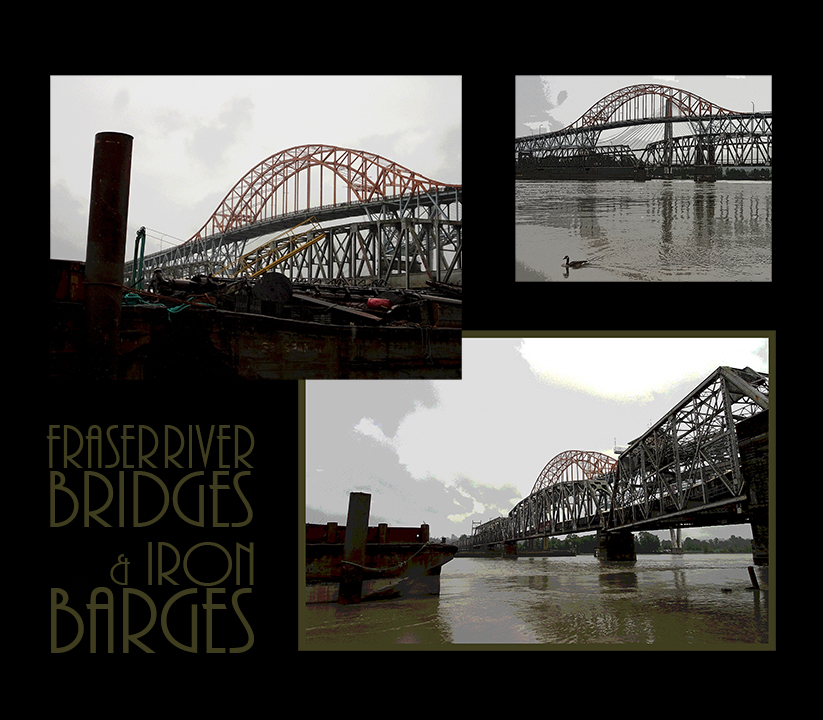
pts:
[555, 101]
[195, 137]
[450, 452]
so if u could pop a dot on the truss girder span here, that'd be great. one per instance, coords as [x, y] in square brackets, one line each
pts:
[689, 461]
[580, 156]
[365, 252]
[717, 149]
[564, 507]
[377, 251]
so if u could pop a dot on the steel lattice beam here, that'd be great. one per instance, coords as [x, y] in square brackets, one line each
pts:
[365, 252]
[689, 459]
[711, 149]
[577, 156]
[572, 137]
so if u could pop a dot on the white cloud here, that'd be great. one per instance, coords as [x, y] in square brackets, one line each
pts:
[634, 369]
[460, 518]
[371, 429]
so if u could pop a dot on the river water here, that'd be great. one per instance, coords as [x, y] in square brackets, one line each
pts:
[659, 602]
[660, 230]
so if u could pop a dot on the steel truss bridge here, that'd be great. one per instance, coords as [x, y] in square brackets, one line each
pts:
[718, 136]
[685, 470]
[405, 224]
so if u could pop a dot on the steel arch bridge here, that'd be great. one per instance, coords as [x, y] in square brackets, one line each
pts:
[651, 104]
[412, 222]
[635, 101]
[359, 176]
[573, 466]
[684, 470]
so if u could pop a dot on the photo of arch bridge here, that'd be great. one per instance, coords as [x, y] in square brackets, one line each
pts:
[619, 138]
[705, 463]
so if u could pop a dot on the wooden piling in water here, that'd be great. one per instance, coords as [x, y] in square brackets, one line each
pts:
[753, 577]
[354, 549]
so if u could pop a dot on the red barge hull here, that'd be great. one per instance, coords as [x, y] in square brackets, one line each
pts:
[399, 562]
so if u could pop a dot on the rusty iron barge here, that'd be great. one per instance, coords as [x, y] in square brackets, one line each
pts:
[399, 562]
[269, 329]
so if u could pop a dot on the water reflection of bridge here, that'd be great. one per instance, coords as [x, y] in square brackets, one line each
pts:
[705, 463]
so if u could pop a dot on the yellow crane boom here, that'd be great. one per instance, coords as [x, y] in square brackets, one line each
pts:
[277, 250]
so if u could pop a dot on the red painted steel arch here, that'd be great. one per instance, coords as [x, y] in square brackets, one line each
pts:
[689, 104]
[574, 465]
[267, 191]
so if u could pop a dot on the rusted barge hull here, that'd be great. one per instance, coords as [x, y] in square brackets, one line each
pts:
[201, 342]
[399, 562]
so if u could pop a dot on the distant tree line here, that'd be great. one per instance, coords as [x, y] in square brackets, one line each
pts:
[736, 173]
[645, 543]
[733, 544]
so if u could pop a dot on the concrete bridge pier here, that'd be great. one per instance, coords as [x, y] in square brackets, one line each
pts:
[510, 550]
[705, 173]
[677, 544]
[616, 545]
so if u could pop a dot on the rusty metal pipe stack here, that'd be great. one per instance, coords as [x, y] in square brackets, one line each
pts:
[105, 250]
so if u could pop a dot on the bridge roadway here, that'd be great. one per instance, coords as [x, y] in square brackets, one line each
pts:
[226, 247]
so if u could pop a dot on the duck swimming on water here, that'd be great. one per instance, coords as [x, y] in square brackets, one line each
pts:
[574, 263]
